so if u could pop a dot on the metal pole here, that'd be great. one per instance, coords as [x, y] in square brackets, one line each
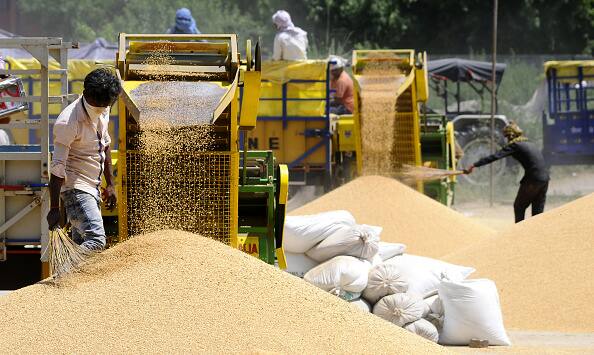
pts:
[493, 101]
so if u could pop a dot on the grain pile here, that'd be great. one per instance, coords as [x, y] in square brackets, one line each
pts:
[176, 292]
[379, 84]
[543, 269]
[425, 226]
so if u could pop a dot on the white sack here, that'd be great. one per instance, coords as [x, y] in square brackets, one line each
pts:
[423, 328]
[435, 319]
[384, 280]
[471, 310]
[434, 304]
[390, 250]
[424, 274]
[344, 276]
[362, 304]
[361, 241]
[399, 308]
[298, 264]
[303, 232]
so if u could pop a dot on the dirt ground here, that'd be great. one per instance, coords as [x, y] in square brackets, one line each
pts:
[525, 342]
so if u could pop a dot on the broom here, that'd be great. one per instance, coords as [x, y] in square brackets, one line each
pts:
[63, 254]
[423, 173]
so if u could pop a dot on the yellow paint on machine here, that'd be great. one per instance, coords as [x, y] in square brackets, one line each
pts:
[249, 245]
[289, 143]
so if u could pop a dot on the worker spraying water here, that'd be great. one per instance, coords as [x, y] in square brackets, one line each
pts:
[535, 183]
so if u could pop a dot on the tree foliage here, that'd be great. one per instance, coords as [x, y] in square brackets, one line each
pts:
[446, 26]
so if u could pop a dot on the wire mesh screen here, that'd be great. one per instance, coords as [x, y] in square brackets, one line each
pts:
[190, 192]
[404, 140]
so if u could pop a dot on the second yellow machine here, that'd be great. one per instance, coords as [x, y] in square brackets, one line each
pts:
[215, 189]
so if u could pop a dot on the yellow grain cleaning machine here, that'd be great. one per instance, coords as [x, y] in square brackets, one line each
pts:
[418, 138]
[236, 197]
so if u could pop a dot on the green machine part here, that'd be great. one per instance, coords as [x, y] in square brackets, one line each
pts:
[437, 150]
[262, 204]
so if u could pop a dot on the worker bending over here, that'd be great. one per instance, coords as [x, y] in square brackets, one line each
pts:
[290, 42]
[184, 23]
[82, 153]
[535, 183]
[341, 84]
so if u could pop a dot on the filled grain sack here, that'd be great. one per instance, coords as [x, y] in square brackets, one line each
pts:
[390, 250]
[361, 304]
[471, 310]
[423, 328]
[361, 241]
[298, 263]
[399, 308]
[384, 280]
[343, 276]
[303, 232]
[434, 311]
[434, 304]
[424, 274]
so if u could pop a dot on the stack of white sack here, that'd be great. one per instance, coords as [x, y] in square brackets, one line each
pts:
[433, 299]
[302, 233]
[313, 239]
[399, 288]
[428, 297]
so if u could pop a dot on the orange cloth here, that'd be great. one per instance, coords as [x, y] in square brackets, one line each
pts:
[344, 90]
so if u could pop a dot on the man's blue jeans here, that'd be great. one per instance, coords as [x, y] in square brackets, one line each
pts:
[84, 213]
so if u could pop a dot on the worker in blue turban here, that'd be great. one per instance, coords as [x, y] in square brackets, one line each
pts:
[184, 23]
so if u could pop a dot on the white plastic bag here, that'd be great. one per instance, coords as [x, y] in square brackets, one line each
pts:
[361, 304]
[384, 280]
[298, 264]
[361, 241]
[471, 310]
[390, 250]
[303, 232]
[343, 276]
[399, 308]
[424, 274]
[423, 328]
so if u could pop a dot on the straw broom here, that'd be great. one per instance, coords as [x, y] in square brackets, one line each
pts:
[423, 173]
[64, 255]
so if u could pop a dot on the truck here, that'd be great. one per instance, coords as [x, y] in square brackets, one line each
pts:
[568, 121]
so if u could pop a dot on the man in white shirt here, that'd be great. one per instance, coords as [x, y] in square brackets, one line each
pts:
[290, 42]
[81, 155]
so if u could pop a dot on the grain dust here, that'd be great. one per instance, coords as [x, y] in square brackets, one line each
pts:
[379, 84]
[176, 292]
[542, 268]
[407, 216]
[174, 180]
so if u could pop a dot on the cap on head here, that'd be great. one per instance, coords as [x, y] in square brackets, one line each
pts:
[512, 130]
[337, 62]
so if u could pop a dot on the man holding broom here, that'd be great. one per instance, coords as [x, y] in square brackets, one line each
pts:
[535, 183]
[81, 155]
